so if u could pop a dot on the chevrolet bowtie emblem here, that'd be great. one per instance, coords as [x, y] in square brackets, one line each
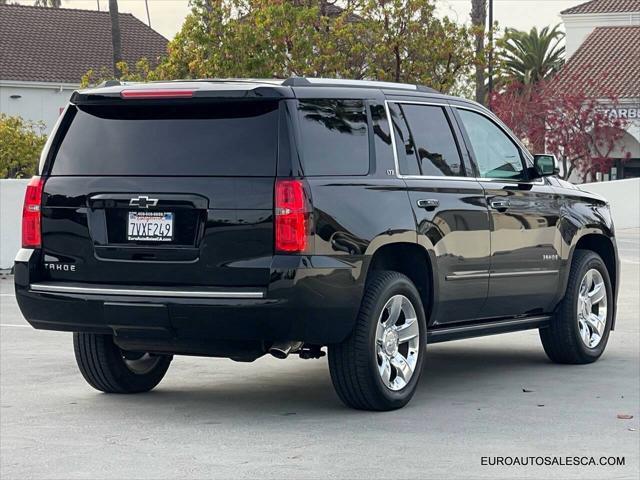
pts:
[143, 202]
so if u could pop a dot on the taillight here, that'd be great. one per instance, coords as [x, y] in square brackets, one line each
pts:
[31, 235]
[291, 216]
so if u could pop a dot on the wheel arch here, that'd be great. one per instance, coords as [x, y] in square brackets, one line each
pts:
[412, 260]
[602, 244]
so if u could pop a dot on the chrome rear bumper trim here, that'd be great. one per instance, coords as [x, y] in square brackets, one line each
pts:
[48, 288]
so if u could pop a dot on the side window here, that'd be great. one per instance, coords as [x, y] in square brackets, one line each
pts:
[495, 153]
[381, 135]
[427, 141]
[407, 162]
[335, 137]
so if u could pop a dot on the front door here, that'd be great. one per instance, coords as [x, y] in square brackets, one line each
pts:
[451, 213]
[525, 240]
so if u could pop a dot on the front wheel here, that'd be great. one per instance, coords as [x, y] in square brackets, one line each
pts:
[378, 366]
[580, 328]
[109, 369]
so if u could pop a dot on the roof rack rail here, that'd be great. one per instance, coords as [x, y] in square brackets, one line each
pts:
[338, 82]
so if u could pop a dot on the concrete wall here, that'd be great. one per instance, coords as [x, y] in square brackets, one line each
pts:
[35, 101]
[624, 196]
[11, 199]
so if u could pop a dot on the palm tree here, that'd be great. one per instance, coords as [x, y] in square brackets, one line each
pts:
[528, 57]
[116, 36]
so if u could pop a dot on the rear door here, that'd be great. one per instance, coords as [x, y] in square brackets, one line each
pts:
[525, 240]
[449, 206]
[162, 193]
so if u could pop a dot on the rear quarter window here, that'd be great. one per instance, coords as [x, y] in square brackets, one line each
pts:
[204, 139]
[335, 137]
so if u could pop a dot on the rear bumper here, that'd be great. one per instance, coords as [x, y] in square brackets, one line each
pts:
[313, 299]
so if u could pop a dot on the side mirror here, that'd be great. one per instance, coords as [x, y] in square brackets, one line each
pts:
[545, 165]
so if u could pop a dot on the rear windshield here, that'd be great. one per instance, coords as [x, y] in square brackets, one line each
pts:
[212, 139]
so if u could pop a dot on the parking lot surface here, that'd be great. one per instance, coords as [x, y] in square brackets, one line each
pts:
[214, 418]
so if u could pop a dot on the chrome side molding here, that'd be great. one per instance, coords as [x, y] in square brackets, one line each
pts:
[484, 274]
[525, 273]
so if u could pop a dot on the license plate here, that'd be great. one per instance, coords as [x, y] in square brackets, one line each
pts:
[150, 226]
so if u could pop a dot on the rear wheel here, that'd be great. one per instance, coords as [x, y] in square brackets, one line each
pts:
[378, 366]
[580, 328]
[109, 369]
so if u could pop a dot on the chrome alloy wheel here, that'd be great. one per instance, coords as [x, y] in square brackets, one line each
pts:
[592, 308]
[140, 362]
[397, 342]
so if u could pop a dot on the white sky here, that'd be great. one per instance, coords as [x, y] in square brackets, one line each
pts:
[167, 15]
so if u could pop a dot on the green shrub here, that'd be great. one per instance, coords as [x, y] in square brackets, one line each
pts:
[21, 142]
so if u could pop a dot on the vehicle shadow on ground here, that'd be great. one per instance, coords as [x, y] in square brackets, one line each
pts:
[449, 365]
[292, 388]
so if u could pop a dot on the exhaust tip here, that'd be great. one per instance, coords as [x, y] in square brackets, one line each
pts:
[282, 350]
[279, 353]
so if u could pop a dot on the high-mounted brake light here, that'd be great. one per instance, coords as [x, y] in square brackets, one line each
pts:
[291, 216]
[31, 233]
[156, 93]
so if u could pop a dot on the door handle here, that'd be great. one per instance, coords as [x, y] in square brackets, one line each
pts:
[501, 204]
[428, 203]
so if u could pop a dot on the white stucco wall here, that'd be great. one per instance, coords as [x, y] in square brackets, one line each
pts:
[578, 26]
[36, 102]
[11, 200]
[624, 197]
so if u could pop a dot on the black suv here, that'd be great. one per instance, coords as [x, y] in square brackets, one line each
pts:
[235, 218]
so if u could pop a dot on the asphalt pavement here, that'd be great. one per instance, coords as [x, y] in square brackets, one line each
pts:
[214, 418]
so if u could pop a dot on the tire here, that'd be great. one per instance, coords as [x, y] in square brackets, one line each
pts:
[357, 364]
[104, 366]
[565, 340]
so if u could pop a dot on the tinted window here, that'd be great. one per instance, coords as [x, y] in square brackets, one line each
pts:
[428, 145]
[335, 139]
[226, 139]
[407, 160]
[382, 136]
[495, 153]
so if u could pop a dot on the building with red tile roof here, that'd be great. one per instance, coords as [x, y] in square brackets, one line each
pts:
[603, 6]
[608, 53]
[44, 52]
[603, 61]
